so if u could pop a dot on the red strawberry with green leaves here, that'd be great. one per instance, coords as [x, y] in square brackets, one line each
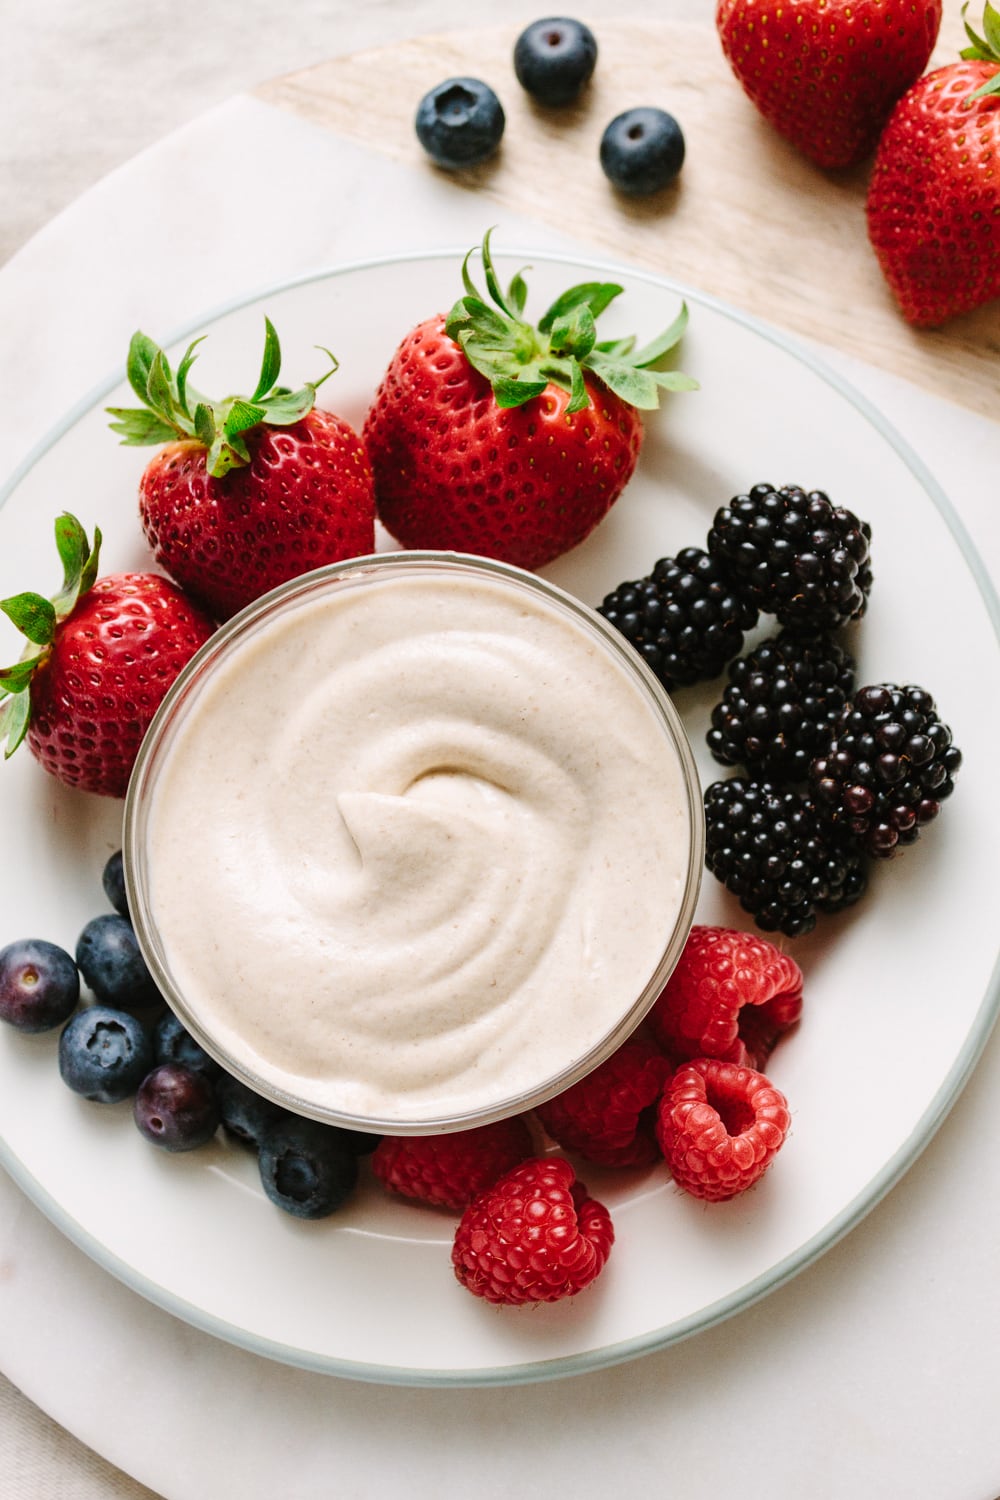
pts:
[246, 492]
[934, 197]
[100, 657]
[494, 436]
[826, 73]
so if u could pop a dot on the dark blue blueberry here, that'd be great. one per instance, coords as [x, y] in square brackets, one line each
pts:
[460, 122]
[642, 151]
[246, 1115]
[553, 59]
[113, 881]
[172, 1043]
[39, 985]
[104, 1054]
[307, 1169]
[176, 1108]
[112, 965]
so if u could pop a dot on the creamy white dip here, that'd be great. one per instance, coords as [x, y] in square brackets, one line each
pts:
[415, 847]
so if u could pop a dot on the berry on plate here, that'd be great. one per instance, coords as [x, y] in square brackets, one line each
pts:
[247, 492]
[888, 766]
[934, 198]
[686, 620]
[781, 701]
[535, 1236]
[554, 58]
[795, 555]
[173, 1043]
[826, 73]
[493, 436]
[104, 1054]
[306, 1168]
[608, 1116]
[720, 1126]
[113, 882]
[176, 1108]
[246, 1115]
[111, 962]
[779, 852]
[730, 997]
[100, 657]
[451, 1170]
[642, 151]
[39, 985]
[460, 123]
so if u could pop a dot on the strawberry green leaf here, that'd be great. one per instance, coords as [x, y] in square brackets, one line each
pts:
[517, 292]
[15, 713]
[34, 617]
[616, 348]
[578, 397]
[140, 429]
[16, 678]
[183, 370]
[72, 546]
[141, 353]
[288, 408]
[509, 393]
[241, 417]
[636, 387]
[270, 366]
[574, 332]
[667, 340]
[597, 295]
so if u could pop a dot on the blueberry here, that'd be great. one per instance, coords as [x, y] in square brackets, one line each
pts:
[176, 1108]
[108, 955]
[246, 1115]
[642, 150]
[306, 1168]
[104, 1054]
[553, 59]
[39, 985]
[172, 1043]
[113, 881]
[460, 122]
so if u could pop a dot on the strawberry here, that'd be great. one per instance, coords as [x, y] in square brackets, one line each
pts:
[101, 656]
[451, 1170]
[731, 996]
[535, 1236]
[606, 1117]
[246, 492]
[720, 1127]
[493, 436]
[826, 73]
[934, 198]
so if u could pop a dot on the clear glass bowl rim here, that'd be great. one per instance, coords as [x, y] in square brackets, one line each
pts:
[226, 639]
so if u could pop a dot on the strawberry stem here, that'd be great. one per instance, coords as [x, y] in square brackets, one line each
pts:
[521, 359]
[172, 410]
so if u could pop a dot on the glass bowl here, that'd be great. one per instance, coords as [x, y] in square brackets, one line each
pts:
[413, 843]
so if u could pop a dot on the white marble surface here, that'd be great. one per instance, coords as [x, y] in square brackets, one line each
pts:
[875, 1372]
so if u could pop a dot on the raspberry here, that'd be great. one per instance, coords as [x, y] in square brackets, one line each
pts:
[730, 997]
[535, 1236]
[605, 1117]
[719, 1127]
[451, 1170]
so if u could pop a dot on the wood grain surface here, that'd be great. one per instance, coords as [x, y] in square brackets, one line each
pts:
[749, 219]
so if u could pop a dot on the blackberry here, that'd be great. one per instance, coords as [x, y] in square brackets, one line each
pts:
[795, 555]
[888, 766]
[782, 701]
[685, 619]
[770, 847]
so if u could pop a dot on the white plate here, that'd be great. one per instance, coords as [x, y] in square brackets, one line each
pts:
[900, 993]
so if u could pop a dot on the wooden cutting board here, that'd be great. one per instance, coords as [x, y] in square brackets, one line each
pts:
[749, 219]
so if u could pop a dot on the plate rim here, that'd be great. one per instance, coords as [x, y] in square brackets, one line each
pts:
[875, 1189]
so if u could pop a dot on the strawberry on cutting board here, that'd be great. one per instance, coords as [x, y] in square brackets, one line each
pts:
[826, 73]
[934, 199]
[247, 492]
[99, 659]
[494, 436]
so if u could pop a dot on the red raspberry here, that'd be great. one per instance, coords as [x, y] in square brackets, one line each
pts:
[451, 1170]
[607, 1117]
[719, 1127]
[731, 996]
[535, 1236]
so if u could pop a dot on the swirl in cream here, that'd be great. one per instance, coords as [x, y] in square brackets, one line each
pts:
[416, 846]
